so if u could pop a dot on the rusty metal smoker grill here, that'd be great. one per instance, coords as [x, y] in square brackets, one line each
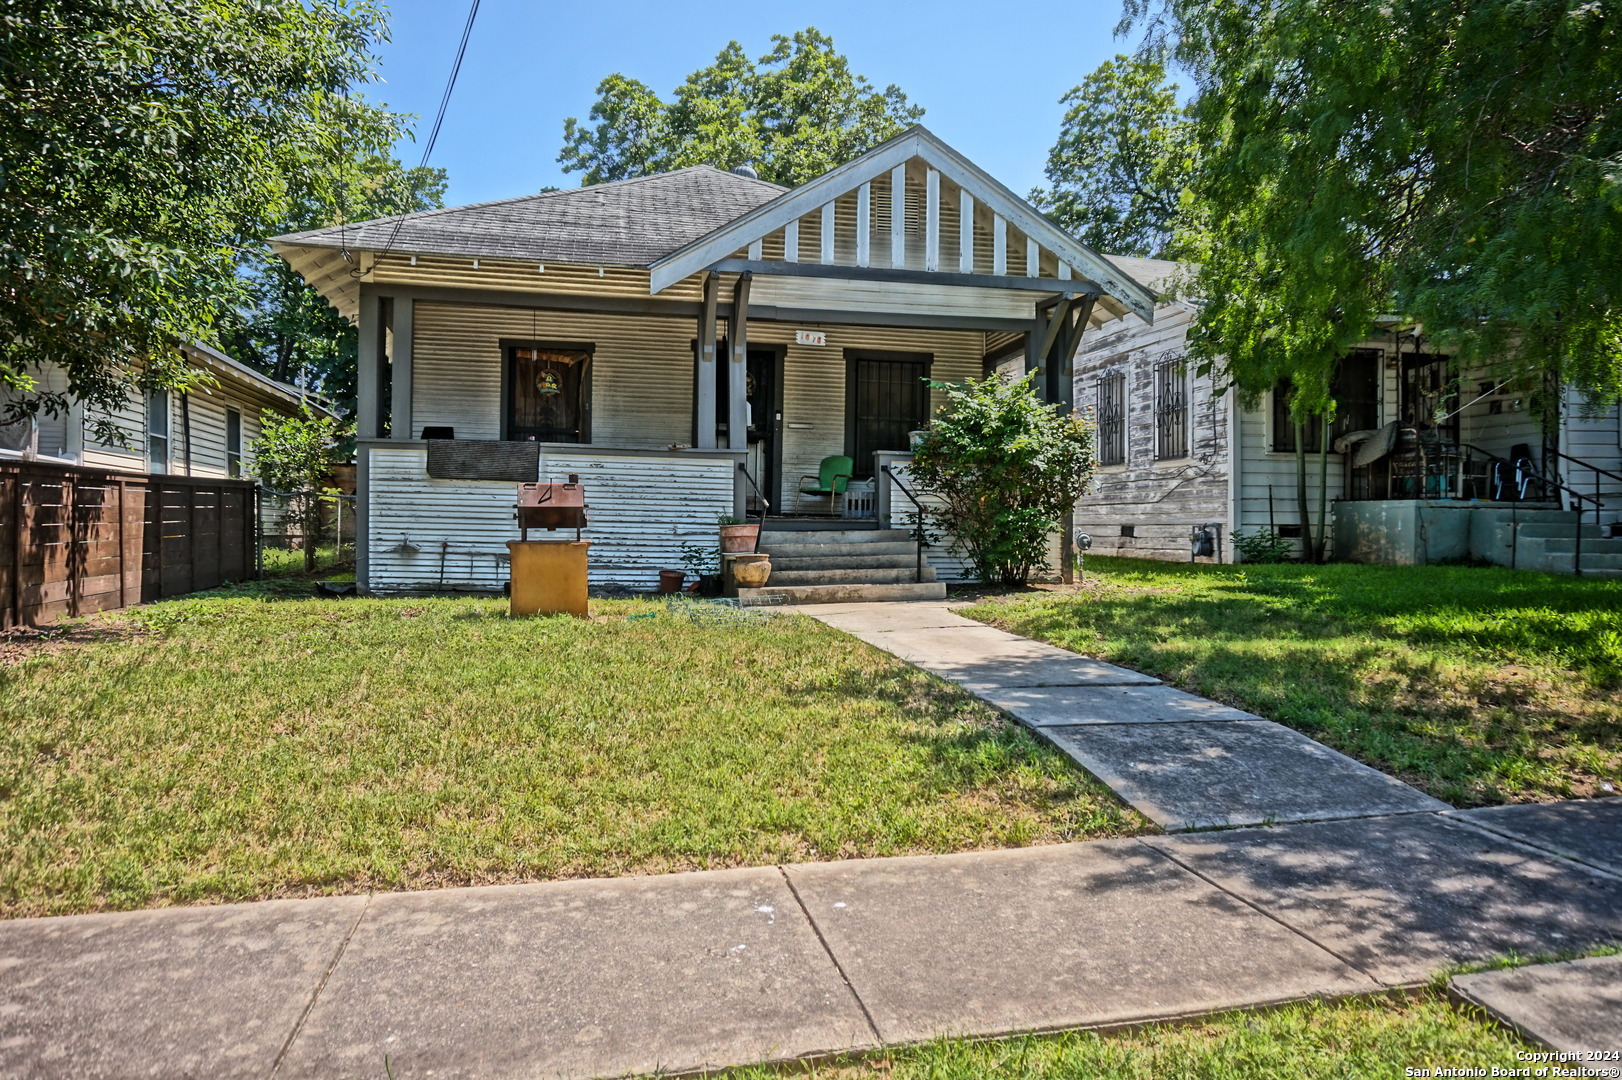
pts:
[551, 507]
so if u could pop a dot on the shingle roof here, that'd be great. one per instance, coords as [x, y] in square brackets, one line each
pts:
[624, 223]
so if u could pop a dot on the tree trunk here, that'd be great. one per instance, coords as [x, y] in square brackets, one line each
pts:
[1322, 551]
[312, 509]
[1302, 507]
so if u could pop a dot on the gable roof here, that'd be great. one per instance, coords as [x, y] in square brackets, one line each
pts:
[916, 144]
[623, 223]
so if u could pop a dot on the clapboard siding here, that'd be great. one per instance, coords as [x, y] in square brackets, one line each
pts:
[814, 386]
[1594, 435]
[526, 277]
[642, 508]
[641, 373]
[1158, 500]
[206, 404]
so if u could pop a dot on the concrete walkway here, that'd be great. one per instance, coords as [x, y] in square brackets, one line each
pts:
[687, 971]
[1183, 761]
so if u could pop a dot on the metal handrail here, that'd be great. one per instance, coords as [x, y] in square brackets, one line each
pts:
[917, 518]
[765, 503]
[1586, 464]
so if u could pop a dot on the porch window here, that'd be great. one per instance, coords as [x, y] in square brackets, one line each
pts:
[1171, 409]
[1357, 402]
[1112, 419]
[547, 393]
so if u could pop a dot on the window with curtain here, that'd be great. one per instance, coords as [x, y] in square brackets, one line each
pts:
[546, 391]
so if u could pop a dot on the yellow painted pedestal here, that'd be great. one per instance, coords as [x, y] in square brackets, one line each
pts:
[548, 577]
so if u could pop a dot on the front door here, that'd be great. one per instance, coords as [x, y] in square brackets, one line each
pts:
[764, 393]
[886, 396]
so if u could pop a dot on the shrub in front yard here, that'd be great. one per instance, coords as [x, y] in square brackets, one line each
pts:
[1007, 468]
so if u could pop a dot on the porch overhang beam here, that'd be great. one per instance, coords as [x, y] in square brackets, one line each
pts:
[1066, 287]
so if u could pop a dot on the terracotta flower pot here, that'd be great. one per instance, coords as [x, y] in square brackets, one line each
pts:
[670, 580]
[735, 538]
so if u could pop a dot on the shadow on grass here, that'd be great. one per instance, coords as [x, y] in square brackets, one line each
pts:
[1421, 671]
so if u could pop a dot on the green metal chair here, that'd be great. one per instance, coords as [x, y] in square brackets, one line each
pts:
[833, 476]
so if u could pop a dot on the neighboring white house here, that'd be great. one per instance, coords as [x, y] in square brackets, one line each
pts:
[206, 432]
[1468, 469]
[682, 342]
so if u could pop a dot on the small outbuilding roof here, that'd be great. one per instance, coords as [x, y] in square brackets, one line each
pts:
[623, 223]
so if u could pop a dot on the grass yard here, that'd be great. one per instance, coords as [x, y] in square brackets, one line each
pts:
[1369, 1039]
[1478, 685]
[249, 745]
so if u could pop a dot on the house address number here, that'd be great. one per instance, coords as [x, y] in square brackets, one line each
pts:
[810, 337]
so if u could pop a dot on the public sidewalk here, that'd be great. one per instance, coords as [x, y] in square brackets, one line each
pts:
[687, 971]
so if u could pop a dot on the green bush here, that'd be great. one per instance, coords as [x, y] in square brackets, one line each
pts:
[1006, 468]
[1264, 546]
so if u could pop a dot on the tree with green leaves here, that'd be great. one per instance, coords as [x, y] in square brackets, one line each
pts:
[1005, 470]
[1452, 163]
[1120, 170]
[792, 115]
[282, 326]
[143, 144]
[292, 456]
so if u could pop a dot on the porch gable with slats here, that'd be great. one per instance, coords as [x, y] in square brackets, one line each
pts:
[909, 212]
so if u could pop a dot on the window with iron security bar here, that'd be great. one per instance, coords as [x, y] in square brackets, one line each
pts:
[1112, 419]
[1171, 409]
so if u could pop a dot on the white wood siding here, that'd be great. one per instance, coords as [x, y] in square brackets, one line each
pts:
[641, 508]
[1158, 501]
[1595, 436]
[642, 375]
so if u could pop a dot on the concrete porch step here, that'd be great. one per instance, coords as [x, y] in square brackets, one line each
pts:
[856, 576]
[770, 537]
[782, 552]
[851, 594]
[1566, 529]
[862, 561]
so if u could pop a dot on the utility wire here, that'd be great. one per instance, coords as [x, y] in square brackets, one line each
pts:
[439, 120]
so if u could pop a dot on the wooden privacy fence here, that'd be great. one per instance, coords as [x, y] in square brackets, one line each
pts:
[75, 540]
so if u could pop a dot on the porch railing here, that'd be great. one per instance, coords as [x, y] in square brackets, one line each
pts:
[918, 535]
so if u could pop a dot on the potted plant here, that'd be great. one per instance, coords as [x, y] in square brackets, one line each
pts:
[737, 534]
[705, 566]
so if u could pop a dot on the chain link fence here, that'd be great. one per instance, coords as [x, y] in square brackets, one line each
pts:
[305, 532]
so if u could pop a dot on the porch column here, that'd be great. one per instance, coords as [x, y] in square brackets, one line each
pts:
[738, 368]
[704, 392]
[368, 379]
[400, 423]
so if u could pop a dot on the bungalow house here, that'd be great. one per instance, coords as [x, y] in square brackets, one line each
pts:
[693, 344]
[1427, 463]
[207, 432]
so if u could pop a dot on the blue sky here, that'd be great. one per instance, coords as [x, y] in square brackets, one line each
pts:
[990, 82]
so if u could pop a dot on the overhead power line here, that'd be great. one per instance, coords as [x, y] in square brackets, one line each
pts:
[439, 119]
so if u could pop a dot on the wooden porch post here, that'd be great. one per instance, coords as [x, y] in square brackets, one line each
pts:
[400, 397]
[368, 388]
[738, 369]
[704, 392]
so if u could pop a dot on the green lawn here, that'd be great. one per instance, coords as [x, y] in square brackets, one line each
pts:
[1478, 685]
[235, 747]
[1376, 1039]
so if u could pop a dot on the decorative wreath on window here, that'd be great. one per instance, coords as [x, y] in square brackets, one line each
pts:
[547, 382]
